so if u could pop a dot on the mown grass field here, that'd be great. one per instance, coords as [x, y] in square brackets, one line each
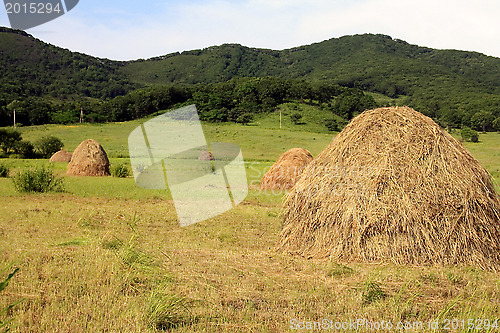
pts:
[107, 256]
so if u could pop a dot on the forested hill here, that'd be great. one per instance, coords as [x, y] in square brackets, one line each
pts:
[435, 81]
[450, 86]
[32, 68]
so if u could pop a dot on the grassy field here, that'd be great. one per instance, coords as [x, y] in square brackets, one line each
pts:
[107, 256]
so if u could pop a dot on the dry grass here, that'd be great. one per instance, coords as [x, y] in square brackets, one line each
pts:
[86, 266]
[89, 159]
[394, 186]
[287, 170]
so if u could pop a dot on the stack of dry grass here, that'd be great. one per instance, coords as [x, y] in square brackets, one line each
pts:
[61, 156]
[89, 159]
[394, 186]
[287, 170]
[206, 156]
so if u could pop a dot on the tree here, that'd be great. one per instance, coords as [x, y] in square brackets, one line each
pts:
[496, 124]
[47, 146]
[482, 120]
[8, 140]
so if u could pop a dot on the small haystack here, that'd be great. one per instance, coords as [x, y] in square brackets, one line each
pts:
[206, 156]
[89, 159]
[61, 156]
[394, 186]
[287, 170]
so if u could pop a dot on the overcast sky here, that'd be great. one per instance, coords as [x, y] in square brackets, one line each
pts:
[125, 30]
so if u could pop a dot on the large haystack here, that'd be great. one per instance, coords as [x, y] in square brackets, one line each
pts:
[287, 170]
[61, 156]
[394, 186]
[89, 159]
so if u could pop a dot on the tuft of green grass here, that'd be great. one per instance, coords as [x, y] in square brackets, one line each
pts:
[165, 312]
[39, 179]
[338, 270]
[372, 292]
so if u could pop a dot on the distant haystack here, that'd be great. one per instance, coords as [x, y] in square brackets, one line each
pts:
[394, 186]
[89, 159]
[287, 170]
[61, 156]
[206, 156]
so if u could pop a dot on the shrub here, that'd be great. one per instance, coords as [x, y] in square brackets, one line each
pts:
[4, 171]
[120, 170]
[47, 146]
[244, 119]
[295, 118]
[25, 149]
[39, 180]
[331, 124]
[469, 134]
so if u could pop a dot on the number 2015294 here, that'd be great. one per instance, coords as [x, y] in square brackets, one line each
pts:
[32, 8]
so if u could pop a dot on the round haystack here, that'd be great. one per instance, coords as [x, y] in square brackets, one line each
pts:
[89, 159]
[394, 186]
[206, 156]
[287, 170]
[61, 156]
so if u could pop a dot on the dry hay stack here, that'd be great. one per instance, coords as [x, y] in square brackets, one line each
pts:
[61, 156]
[394, 186]
[206, 156]
[89, 159]
[287, 170]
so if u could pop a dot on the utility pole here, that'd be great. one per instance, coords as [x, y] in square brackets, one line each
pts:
[14, 118]
[81, 115]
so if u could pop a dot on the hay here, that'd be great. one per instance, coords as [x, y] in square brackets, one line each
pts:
[61, 156]
[394, 186]
[287, 170]
[205, 155]
[89, 159]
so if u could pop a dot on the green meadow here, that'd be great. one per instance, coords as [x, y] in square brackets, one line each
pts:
[108, 256]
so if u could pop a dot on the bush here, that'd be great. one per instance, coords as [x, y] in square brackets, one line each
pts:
[469, 134]
[244, 119]
[120, 170]
[295, 118]
[47, 146]
[39, 180]
[4, 171]
[8, 140]
[25, 149]
[331, 124]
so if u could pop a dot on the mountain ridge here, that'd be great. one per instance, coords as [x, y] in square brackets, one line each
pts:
[450, 85]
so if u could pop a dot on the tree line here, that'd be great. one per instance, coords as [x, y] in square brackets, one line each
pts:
[236, 100]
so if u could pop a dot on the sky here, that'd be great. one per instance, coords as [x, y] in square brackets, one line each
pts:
[129, 30]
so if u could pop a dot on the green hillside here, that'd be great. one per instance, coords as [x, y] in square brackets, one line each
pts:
[51, 84]
[30, 68]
